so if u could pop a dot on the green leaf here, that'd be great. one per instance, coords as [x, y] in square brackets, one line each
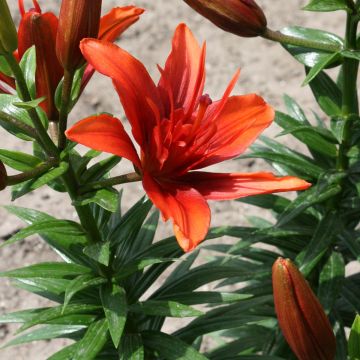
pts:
[131, 347]
[55, 270]
[28, 105]
[4, 66]
[99, 170]
[122, 235]
[205, 297]
[165, 308]
[113, 298]
[33, 184]
[327, 94]
[75, 90]
[309, 56]
[324, 236]
[321, 65]
[45, 333]
[327, 5]
[92, 342]
[169, 347]
[295, 110]
[19, 316]
[56, 313]
[106, 198]
[28, 67]
[18, 160]
[317, 139]
[6, 105]
[351, 54]
[69, 247]
[99, 252]
[138, 265]
[63, 227]
[326, 188]
[331, 280]
[354, 340]
[80, 283]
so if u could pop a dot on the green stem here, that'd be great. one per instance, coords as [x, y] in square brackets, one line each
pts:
[84, 212]
[28, 130]
[292, 40]
[43, 136]
[122, 179]
[64, 109]
[350, 106]
[28, 175]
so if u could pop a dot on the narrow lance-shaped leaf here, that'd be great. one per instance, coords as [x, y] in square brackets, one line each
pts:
[113, 298]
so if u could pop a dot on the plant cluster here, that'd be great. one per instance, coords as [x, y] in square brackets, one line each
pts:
[282, 291]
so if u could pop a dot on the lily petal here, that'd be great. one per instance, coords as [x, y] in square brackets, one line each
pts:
[132, 82]
[112, 25]
[104, 133]
[184, 70]
[117, 21]
[188, 210]
[218, 186]
[240, 122]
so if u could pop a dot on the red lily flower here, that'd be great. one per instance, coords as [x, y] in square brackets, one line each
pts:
[40, 29]
[178, 131]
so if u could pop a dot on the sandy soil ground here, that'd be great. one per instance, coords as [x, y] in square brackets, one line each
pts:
[266, 70]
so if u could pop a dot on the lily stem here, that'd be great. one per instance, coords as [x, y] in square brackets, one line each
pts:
[350, 106]
[64, 109]
[9, 119]
[122, 179]
[28, 175]
[69, 179]
[296, 41]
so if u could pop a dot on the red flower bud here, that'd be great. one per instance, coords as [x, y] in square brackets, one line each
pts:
[301, 317]
[3, 176]
[40, 30]
[78, 19]
[8, 34]
[240, 17]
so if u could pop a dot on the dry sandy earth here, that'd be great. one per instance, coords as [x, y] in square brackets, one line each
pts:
[266, 69]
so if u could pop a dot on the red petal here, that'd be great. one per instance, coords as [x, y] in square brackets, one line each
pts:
[133, 84]
[188, 210]
[104, 133]
[240, 122]
[217, 186]
[112, 25]
[117, 21]
[184, 69]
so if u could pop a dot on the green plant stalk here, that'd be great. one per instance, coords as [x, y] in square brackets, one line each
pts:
[69, 179]
[295, 41]
[28, 175]
[117, 180]
[64, 109]
[43, 136]
[350, 105]
[28, 130]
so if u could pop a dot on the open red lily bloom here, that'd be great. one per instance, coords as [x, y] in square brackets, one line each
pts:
[179, 130]
[40, 29]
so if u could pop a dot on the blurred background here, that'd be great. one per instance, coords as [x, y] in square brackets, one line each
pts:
[266, 69]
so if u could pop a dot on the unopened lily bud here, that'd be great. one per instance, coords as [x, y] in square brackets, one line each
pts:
[240, 17]
[78, 19]
[8, 34]
[301, 317]
[3, 176]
